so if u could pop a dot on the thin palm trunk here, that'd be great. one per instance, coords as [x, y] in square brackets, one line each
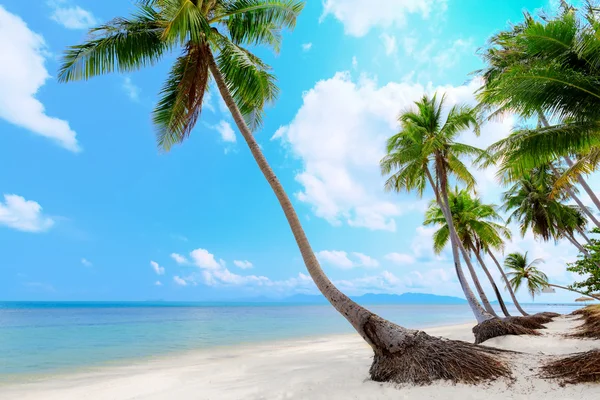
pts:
[584, 236]
[484, 299]
[581, 181]
[480, 313]
[493, 283]
[384, 337]
[575, 243]
[507, 283]
[574, 290]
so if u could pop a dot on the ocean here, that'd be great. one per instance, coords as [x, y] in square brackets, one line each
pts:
[41, 338]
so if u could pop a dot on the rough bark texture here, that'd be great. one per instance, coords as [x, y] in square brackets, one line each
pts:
[401, 355]
[493, 283]
[508, 286]
[420, 359]
[495, 327]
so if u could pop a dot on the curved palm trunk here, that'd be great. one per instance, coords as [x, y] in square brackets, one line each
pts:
[597, 297]
[493, 283]
[480, 313]
[584, 184]
[508, 286]
[384, 337]
[484, 299]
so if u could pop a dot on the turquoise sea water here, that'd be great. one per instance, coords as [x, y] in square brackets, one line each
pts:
[45, 338]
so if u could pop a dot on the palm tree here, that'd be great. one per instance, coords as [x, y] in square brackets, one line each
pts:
[478, 229]
[548, 65]
[425, 152]
[522, 270]
[213, 37]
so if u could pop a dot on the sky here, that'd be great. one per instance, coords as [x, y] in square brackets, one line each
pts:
[91, 209]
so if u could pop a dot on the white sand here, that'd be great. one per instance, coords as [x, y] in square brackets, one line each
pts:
[334, 367]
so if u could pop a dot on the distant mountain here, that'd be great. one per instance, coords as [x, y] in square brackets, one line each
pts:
[373, 299]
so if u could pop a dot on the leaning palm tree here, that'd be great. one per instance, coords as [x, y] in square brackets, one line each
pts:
[213, 38]
[522, 271]
[548, 66]
[425, 153]
[478, 228]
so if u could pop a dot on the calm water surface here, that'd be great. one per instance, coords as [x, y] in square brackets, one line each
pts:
[42, 338]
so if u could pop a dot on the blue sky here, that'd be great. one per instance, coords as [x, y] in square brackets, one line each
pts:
[90, 209]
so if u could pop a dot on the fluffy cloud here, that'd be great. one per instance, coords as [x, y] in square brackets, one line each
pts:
[158, 283]
[307, 46]
[157, 268]
[205, 260]
[339, 135]
[179, 281]
[179, 259]
[400, 258]
[23, 215]
[22, 77]
[71, 17]
[341, 259]
[86, 263]
[245, 264]
[359, 16]
[132, 91]
[389, 43]
[226, 131]
[451, 56]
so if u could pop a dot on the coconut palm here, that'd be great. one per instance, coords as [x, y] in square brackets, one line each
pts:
[522, 271]
[213, 38]
[478, 227]
[548, 65]
[425, 153]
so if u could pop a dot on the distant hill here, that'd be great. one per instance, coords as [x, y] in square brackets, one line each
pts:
[371, 299]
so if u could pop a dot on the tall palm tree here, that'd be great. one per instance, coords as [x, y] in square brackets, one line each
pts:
[425, 152]
[522, 271]
[478, 227]
[548, 65]
[213, 37]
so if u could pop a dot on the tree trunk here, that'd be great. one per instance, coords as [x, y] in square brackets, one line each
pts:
[484, 299]
[400, 355]
[480, 313]
[584, 184]
[584, 236]
[575, 243]
[494, 286]
[581, 181]
[574, 290]
[507, 283]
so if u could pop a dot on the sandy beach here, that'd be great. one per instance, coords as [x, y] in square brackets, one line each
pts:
[332, 367]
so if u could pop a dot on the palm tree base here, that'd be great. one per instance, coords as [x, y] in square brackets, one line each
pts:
[578, 368]
[495, 327]
[531, 322]
[407, 356]
[590, 329]
[549, 314]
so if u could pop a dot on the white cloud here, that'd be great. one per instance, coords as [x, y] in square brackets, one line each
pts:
[71, 17]
[336, 258]
[86, 263]
[339, 135]
[158, 283]
[131, 90]
[22, 77]
[179, 259]
[409, 43]
[400, 258]
[389, 43]
[179, 281]
[354, 62]
[451, 56]
[245, 264]
[203, 259]
[306, 46]
[359, 16]
[157, 268]
[226, 131]
[365, 261]
[23, 215]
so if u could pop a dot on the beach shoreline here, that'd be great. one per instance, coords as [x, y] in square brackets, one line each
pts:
[326, 367]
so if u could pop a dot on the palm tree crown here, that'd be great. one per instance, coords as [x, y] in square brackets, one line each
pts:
[520, 269]
[204, 32]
